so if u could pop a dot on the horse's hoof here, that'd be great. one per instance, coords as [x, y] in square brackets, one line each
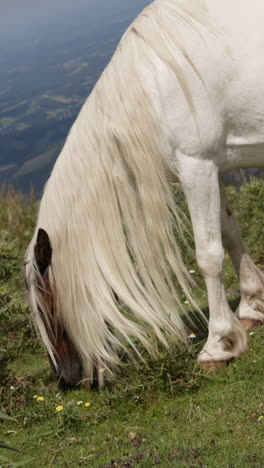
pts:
[250, 323]
[212, 365]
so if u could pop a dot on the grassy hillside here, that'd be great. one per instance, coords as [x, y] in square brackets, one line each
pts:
[165, 413]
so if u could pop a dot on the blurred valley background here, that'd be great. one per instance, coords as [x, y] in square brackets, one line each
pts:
[52, 53]
[51, 56]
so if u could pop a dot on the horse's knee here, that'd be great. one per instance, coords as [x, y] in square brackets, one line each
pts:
[210, 259]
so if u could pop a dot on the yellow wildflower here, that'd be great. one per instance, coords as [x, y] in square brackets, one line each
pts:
[40, 398]
[192, 335]
[87, 404]
[260, 418]
[59, 408]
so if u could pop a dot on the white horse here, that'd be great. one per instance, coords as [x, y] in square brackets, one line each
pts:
[183, 95]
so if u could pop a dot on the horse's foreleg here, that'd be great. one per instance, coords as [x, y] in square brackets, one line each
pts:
[199, 179]
[251, 307]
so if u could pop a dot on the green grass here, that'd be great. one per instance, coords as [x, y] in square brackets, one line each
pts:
[165, 412]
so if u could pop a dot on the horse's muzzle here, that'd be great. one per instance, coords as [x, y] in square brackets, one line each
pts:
[69, 371]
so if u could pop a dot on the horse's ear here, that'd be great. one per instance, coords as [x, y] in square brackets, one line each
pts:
[43, 251]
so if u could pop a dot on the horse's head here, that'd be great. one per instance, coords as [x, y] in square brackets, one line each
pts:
[65, 361]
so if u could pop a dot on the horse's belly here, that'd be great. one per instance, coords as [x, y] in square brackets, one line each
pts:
[244, 121]
[241, 154]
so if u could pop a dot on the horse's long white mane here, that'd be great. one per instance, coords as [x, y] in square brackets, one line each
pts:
[109, 211]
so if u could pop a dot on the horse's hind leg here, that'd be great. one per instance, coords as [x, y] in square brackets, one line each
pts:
[251, 307]
[199, 179]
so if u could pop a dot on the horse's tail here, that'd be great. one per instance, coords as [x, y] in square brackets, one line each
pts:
[111, 218]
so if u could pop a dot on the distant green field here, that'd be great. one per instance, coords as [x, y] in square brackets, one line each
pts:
[165, 412]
